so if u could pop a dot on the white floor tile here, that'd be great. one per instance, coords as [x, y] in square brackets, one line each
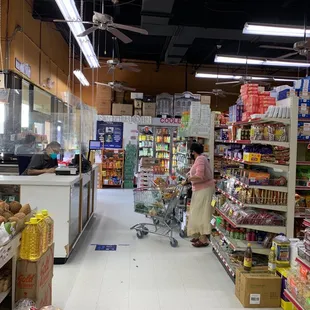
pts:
[145, 274]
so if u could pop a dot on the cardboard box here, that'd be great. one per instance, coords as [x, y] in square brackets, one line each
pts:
[149, 109]
[138, 104]
[252, 157]
[103, 100]
[149, 162]
[34, 279]
[119, 109]
[258, 288]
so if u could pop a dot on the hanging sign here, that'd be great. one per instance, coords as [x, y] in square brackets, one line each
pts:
[110, 134]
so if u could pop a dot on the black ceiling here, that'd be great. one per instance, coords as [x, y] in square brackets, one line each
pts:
[190, 31]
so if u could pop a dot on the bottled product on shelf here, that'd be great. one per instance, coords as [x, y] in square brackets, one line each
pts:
[50, 227]
[247, 262]
[44, 229]
[282, 249]
[31, 241]
[272, 261]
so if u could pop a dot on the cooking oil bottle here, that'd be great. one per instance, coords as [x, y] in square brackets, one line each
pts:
[50, 227]
[31, 241]
[43, 225]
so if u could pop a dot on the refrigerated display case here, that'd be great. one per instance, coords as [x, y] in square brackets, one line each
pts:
[146, 142]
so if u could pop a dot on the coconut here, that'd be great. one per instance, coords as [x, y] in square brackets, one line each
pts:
[15, 206]
[20, 215]
[7, 214]
[2, 219]
[25, 209]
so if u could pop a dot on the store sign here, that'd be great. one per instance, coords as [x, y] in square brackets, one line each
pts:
[136, 119]
[23, 68]
[166, 121]
[110, 134]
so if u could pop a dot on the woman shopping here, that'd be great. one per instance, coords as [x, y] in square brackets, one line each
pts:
[200, 176]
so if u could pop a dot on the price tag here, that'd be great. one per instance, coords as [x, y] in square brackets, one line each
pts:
[213, 203]
[213, 221]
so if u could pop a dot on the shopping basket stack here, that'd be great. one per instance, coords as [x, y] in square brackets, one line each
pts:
[159, 204]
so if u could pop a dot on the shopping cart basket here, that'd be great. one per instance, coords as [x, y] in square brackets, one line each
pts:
[159, 204]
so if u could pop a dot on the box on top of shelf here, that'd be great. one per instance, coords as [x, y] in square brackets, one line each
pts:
[149, 109]
[137, 112]
[205, 100]
[302, 85]
[119, 109]
[258, 288]
[138, 103]
[34, 279]
[304, 108]
[135, 95]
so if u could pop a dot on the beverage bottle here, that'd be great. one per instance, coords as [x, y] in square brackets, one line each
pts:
[281, 245]
[247, 262]
[42, 224]
[272, 261]
[31, 241]
[50, 227]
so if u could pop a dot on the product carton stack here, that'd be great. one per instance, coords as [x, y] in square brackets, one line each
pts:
[235, 111]
[34, 279]
[255, 99]
[194, 118]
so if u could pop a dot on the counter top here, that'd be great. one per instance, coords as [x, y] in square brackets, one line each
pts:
[46, 179]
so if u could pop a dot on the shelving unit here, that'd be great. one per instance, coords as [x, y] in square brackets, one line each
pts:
[9, 252]
[112, 168]
[283, 168]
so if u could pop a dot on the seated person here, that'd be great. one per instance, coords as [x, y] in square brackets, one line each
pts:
[28, 148]
[44, 162]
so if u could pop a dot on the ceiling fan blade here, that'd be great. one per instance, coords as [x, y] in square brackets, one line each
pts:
[274, 47]
[128, 88]
[121, 36]
[88, 31]
[287, 55]
[128, 64]
[72, 21]
[102, 84]
[130, 28]
[227, 83]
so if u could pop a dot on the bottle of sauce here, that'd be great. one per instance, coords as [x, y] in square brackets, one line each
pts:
[272, 261]
[247, 262]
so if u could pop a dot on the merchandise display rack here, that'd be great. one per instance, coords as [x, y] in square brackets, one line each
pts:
[10, 251]
[287, 168]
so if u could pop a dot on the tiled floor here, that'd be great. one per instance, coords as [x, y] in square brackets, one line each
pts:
[145, 274]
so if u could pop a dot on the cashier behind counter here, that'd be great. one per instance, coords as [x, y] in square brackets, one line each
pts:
[44, 162]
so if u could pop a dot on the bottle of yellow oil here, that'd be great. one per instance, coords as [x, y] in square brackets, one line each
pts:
[50, 227]
[30, 248]
[43, 225]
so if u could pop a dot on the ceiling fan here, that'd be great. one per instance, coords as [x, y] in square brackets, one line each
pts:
[105, 22]
[112, 64]
[301, 48]
[218, 92]
[117, 86]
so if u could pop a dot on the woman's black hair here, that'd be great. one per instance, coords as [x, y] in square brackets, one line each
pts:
[196, 147]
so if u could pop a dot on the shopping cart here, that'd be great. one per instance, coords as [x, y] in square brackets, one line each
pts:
[160, 205]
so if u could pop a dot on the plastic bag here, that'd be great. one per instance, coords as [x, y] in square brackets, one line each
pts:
[25, 304]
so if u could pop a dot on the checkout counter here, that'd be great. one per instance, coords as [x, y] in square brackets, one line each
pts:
[71, 201]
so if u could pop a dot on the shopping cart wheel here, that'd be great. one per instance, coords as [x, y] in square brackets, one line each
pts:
[182, 234]
[145, 231]
[140, 234]
[173, 242]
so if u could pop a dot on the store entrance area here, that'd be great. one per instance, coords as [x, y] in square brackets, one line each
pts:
[140, 274]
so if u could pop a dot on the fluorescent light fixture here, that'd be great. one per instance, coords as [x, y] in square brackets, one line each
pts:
[216, 76]
[284, 80]
[259, 61]
[70, 12]
[81, 77]
[275, 30]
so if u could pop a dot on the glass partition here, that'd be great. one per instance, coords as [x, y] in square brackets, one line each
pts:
[37, 113]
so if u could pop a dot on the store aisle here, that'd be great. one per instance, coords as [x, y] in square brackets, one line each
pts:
[142, 274]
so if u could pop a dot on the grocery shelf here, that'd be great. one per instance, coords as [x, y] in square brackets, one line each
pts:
[267, 228]
[3, 295]
[257, 206]
[241, 245]
[292, 299]
[282, 189]
[273, 143]
[285, 121]
[303, 163]
[234, 141]
[303, 188]
[303, 262]
[303, 119]
[304, 141]
[282, 167]
[222, 258]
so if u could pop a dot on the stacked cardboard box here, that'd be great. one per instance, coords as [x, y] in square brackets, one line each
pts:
[104, 100]
[34, 279]
[119, 109]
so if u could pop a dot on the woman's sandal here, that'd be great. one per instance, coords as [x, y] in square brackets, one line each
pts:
[200, 244]
[194, 240]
